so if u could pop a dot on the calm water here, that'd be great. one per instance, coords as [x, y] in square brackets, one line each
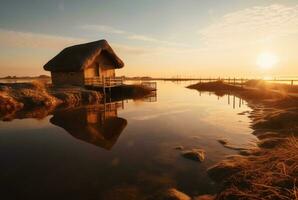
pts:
[122, 150]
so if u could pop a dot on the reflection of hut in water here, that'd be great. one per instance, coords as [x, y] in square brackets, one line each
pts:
[152, 97]
[96, 124]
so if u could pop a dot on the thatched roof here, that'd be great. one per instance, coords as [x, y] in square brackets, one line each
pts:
[78, 57]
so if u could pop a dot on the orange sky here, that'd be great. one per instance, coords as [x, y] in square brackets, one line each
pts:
[199, 40]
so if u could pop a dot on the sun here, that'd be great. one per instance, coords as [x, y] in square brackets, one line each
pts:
[266, 60]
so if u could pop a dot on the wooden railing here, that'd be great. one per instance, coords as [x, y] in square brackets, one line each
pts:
[104, 81]
[290, 81]
[149, 84]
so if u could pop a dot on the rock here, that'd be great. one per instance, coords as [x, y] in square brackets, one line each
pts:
[194, 154]
[179, 147]
[245, 152]
[170, 194]
[237, 148]
[243, 113]
[226, 144]
[223, 141]
[249, 152]
[270, 142]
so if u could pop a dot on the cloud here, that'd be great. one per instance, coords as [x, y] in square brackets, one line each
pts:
[251, 26]
[102, 28]
[127, 34]
[142, 38]
[36, 40]
[31, 40]
[126, 49]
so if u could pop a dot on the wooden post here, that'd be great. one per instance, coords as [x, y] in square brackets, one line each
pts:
[110, 95]
[234, 81]
[292, 82]
[110, 87]
[103, 86]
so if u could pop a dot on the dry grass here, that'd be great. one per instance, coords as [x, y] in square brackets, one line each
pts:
[36, 95]
[37, 99]
[270, 172]
[29, 99]
[215, 86]
[273, 86]
[271, 175]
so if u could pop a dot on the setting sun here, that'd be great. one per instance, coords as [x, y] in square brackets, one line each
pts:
[266, 60]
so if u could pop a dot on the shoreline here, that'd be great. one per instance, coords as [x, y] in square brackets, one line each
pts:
[37, 99]
[270, 170]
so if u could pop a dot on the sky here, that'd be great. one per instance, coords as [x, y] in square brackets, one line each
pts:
[158, 38]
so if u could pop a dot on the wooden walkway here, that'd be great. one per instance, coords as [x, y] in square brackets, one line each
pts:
[105, 82]
[149, 84]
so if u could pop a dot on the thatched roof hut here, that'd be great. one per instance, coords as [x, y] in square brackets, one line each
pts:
[83, 61]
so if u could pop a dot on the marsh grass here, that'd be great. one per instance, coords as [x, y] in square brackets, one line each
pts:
[37, 96]
[270, 171]
[271, 175]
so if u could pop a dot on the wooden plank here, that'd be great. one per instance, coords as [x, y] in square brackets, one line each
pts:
[105, 82]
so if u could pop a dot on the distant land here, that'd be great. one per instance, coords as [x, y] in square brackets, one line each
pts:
[47, 77]
[26, 77]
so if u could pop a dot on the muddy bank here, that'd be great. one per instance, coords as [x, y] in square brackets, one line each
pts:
[37, 100]
[270, 170]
